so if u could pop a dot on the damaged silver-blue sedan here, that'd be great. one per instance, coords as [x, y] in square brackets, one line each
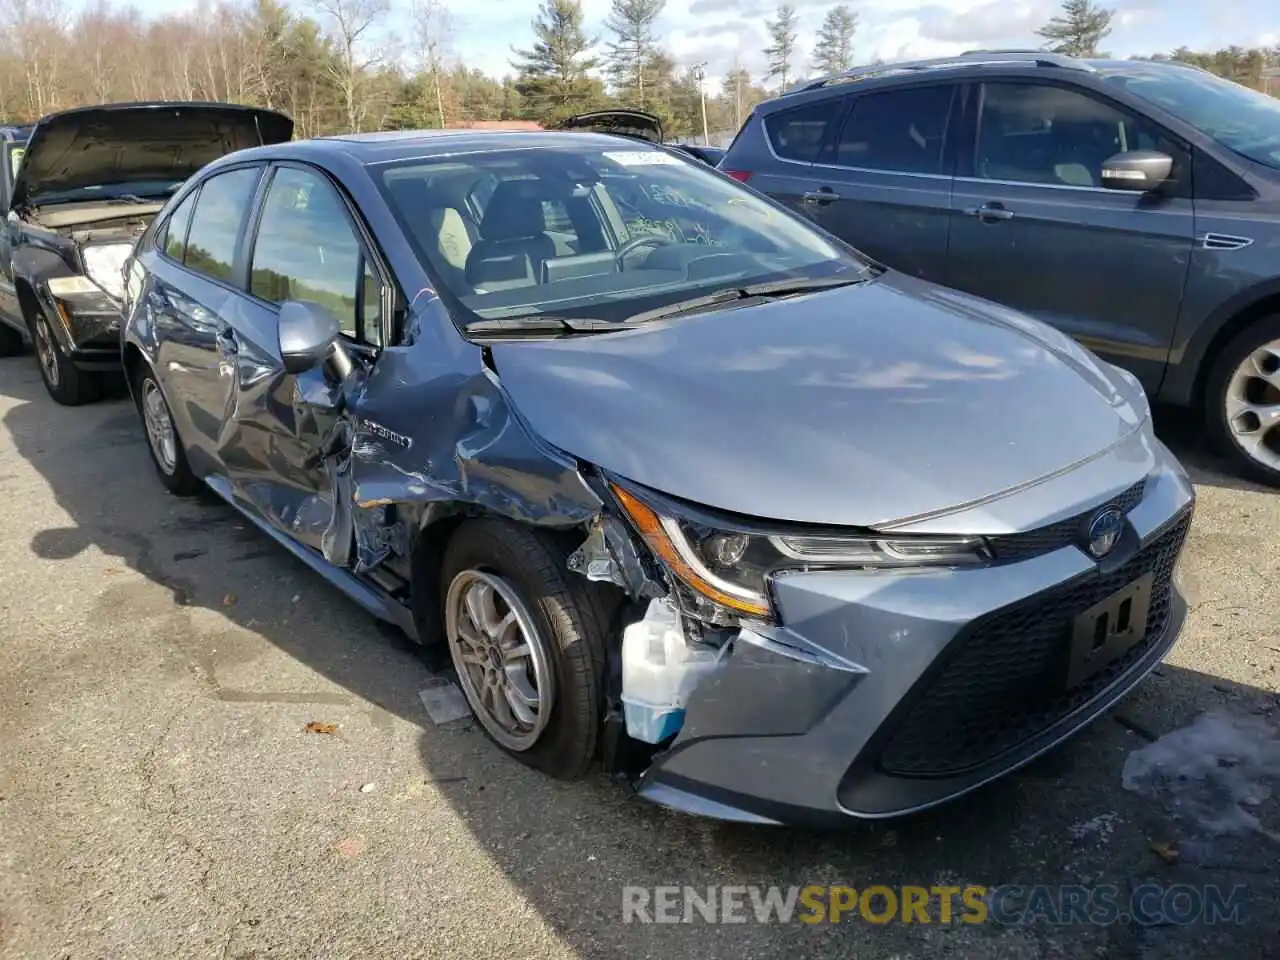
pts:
[678, 482]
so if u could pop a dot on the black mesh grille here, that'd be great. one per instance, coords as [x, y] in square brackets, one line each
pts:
[1003, 684]
[1019, 546]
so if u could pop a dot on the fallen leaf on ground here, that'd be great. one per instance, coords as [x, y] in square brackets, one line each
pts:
[350, 847]
[315, 726]
[1167, 852]
[229, 599]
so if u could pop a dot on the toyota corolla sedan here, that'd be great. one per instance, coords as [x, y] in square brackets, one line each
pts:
[673, 480]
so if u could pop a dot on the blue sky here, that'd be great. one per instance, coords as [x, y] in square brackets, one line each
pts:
[717, 31]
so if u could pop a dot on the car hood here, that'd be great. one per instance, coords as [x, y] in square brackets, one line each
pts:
[862, 406]
[629, 123]
[135, 142]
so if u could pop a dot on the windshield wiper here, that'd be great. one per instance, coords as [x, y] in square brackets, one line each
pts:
[789, 286]
[544, 323]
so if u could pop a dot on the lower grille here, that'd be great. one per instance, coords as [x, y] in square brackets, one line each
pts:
[1001, 685]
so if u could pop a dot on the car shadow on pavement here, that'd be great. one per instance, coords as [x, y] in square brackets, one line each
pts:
[1183, 432]
[569, 849]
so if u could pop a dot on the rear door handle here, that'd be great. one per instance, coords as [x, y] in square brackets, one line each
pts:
[820, 196]
[990, 212]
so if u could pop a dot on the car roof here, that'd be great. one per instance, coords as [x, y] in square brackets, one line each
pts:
[390, 146]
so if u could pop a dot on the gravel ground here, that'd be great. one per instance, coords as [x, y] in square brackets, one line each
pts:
[159, 797]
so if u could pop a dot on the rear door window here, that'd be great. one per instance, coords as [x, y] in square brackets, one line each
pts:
[221, 208]
[800, 134]
[174, 237]
[898, 131]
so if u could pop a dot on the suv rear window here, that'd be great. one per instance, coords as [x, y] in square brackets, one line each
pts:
[799, 134]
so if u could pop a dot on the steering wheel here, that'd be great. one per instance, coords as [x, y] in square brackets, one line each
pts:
[639, 243]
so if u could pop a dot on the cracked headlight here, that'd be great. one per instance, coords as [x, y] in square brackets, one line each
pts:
[731, 568]
[104, 265]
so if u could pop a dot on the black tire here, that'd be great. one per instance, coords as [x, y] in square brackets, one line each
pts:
[65, 382]
[1218, 383]
[572, 614]
[11, 342]
[177, 477]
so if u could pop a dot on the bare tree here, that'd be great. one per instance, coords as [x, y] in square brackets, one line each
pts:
[433, 35]
[353, 26]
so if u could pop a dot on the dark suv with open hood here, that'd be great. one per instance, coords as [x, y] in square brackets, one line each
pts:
[87, 185]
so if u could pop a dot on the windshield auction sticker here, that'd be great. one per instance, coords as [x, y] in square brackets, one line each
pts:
[640, 158]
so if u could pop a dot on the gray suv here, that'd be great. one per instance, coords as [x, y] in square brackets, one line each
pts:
[1134, 205]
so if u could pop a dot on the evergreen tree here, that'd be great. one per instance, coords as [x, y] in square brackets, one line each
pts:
[833, 53]
[553, 81]
[782, 34]
[631, 55]
[1078, 30]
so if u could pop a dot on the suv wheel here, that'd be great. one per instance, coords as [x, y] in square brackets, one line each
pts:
[65, 382]
[1243, 401]
[527, 642]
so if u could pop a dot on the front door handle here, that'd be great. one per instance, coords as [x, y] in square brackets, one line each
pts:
[990, 212]
[825, 195]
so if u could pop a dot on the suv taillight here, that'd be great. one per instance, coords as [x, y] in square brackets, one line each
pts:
[742, 176]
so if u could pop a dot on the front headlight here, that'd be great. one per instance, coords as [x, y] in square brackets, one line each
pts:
[104, 265]
[731, 568]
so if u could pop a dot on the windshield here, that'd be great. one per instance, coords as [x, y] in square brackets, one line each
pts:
[597, 232]
[1242, 120]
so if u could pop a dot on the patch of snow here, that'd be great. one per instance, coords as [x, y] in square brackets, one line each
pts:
[1211, 772]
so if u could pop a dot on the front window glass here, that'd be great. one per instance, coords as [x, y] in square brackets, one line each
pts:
[1242, 120]
[599, 232]
[1033, 133]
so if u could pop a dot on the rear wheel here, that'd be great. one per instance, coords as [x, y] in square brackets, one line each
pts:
[1242, 401]
[163, 443]
[66, 383]
[528, 643]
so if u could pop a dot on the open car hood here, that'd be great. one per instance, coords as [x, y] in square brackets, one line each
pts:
[627, 123]
[137, 142]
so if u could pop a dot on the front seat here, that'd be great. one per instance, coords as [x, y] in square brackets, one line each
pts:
[513, 239]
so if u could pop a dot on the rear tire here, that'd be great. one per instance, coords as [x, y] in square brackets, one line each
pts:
[1242, 401]
[163, 442]
[500, 572]
[65, 382]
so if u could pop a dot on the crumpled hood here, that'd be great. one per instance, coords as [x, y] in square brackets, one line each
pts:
[859, 406]
[135, 142]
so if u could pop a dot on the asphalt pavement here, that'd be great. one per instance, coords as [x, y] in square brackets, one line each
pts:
[161, 797]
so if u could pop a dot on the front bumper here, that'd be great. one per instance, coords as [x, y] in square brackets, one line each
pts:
[885, 694]
[88, 329]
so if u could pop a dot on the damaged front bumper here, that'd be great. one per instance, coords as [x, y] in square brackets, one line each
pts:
[886, 693]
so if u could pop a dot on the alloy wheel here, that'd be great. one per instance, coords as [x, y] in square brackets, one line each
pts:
[159, 424]
[1252, 405]
[46, 351]
[502, 660]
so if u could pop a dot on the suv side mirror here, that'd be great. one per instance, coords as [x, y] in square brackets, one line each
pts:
[308, 337]
[1139, 171]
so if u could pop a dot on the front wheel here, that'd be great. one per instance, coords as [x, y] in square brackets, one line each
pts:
[1243, 401]
[65, 382]
[528, 643]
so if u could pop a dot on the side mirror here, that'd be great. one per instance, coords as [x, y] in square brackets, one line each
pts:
[1138, 171]
[308, 336]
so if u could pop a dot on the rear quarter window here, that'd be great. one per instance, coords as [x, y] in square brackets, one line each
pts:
[799, 134]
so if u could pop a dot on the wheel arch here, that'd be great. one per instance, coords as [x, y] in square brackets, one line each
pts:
[1187, 381]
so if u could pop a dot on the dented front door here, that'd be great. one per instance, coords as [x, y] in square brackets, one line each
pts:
[290, 440]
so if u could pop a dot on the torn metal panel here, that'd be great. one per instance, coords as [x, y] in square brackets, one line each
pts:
[433, 434]
[609, 555]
